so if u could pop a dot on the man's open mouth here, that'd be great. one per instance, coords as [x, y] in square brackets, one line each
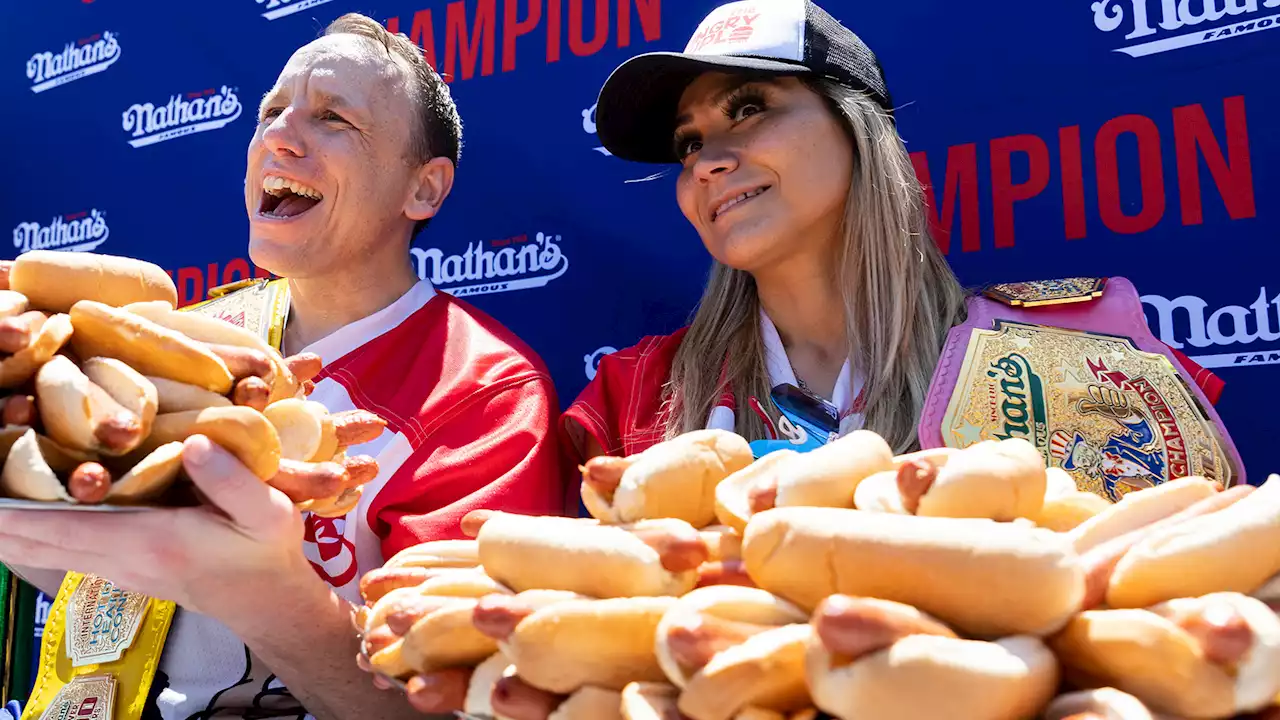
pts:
[283, 198]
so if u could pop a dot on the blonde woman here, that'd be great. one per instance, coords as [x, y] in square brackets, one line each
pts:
[827, 297]
[828, 304]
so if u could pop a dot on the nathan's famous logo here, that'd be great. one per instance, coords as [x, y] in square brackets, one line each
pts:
[1144, 445]
[1017, 400]
[589, 127]
[515, 263]
[276, 9]
[78, 59]
[82, 231]
[1190, 325]
[593, 360]
[1156, 27]
[196, 112]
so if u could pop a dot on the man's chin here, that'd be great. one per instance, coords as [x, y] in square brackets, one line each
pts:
[281, 256]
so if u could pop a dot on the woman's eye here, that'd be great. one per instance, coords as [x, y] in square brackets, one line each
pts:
[691, 147]
[746, 110]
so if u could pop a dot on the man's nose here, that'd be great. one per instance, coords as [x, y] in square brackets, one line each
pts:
[282, 136]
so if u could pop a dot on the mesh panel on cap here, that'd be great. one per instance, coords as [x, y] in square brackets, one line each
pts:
[847, 58]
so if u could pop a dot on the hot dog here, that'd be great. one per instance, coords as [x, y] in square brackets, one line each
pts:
[875, 659]
[647, 558]
[438, 554]
[826, 477]
[709, 620]
[360, 469]
[985, 578]
[479, 694]
[89, 483]
[673, 479]
[83, 415]
[1235, 549]
[55, 281]
[724, 572]
[337, 506]
[1139, 509]
[497, 616]
[243, 362]
[1204, 657]
[304, 366]
[355, 427]
[22, 366]
[252, 392]
[103, 331]
[995, 480]
[440, 692]
[1100, 704]
[303, 481]
[377, 583]
[242, 431]
[567, 645]
[173, 396]
[1100, 562]
[16, 332]
[19, 410]
[755, 486]
[515, 699]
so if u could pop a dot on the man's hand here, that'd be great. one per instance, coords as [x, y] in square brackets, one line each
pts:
[223, 559]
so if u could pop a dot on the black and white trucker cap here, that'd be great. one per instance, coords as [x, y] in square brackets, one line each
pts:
[635, 117]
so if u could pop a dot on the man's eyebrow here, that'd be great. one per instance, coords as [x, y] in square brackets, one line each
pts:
[267, 97]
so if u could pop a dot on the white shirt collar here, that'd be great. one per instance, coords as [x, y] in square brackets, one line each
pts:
[352, 335]
[780, 371]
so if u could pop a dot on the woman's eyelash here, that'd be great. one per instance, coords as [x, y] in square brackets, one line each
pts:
[742, 97]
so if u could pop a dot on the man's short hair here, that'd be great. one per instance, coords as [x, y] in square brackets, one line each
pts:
[438, 130]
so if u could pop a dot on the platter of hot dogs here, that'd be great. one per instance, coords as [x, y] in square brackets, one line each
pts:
[102, 379]
[847, 583]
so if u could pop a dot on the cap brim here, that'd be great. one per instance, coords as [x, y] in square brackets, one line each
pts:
[636, 112]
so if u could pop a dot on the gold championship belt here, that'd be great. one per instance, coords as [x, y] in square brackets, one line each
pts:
[102, 645]
[1070, 366]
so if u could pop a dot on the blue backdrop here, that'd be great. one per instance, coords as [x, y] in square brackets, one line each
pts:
[1121, 137]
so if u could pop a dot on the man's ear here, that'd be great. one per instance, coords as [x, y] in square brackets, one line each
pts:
[432, 184]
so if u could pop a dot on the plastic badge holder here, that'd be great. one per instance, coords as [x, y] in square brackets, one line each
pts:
[807, 422]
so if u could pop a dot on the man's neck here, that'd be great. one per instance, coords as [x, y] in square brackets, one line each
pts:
[319, 306]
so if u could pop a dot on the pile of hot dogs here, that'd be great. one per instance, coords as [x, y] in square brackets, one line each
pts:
[963, 584]
[102, 379]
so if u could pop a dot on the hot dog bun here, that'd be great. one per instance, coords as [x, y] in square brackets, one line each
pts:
[242, 431]
[173, 396]
[673, 479]
[1140, 508]
[590, 703]
[735, 604]
[1065, 513]
[766, 672]
[480, 689]
[438, 554]
[149, 348]
[1234, 549]
[733, 507]
[82, 415]
[1105, 703]
[929, 676]
[829, 476]
[300, 424]
[447, 637]
[219, 332]
[20, 367]
[55, 281]
[148, 479]
[606, 643]
[1145, 653]
[27, 475]
[527, 552]
[982, 577]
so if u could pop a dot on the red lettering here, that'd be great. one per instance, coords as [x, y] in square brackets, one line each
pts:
[393, 24]
[553, 31]
[577, 45]
[423, 34]
[961, 179]
[513, 28]
[1150, 170]
[237, 269]
[650, 12]
[1192, 134]
[212, 276]
[1004, 193]
[1072, 182]
[190, 285]
[477, 43]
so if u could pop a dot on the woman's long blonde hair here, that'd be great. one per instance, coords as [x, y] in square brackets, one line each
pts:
[900, 297]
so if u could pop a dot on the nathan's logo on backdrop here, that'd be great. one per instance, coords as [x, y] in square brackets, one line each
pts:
[593, 360]
[78, 59]
[82, 231]
[516, 263]
[1156, 27]
[589, 127]
[1251, 332]
[148, 124]
[276, 9]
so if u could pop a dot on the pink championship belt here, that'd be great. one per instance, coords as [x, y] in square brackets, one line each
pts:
[1071, 366]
